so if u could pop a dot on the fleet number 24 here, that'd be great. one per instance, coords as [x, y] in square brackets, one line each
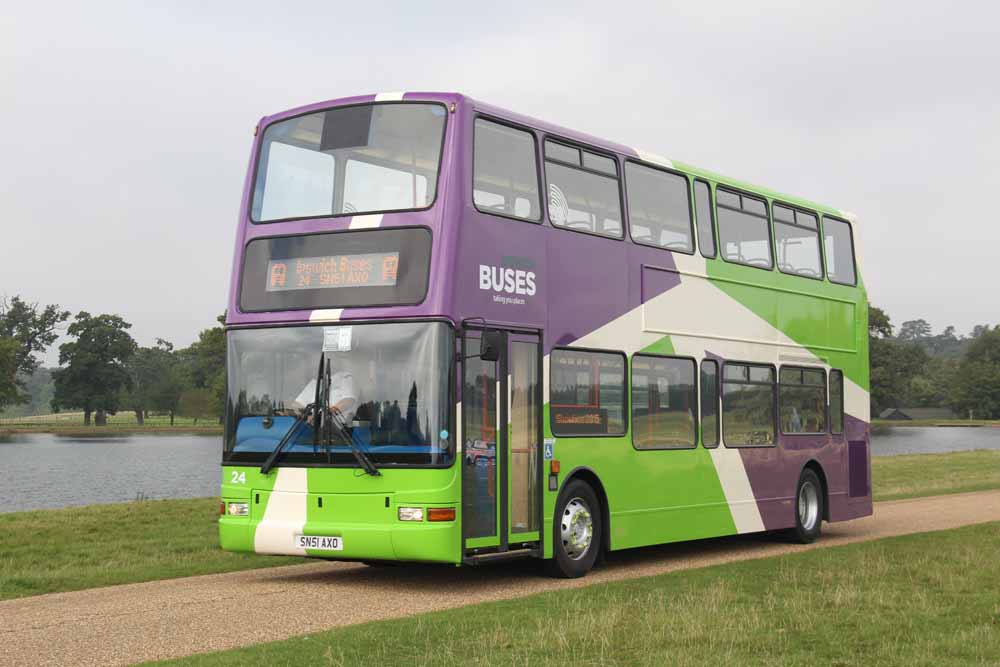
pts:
[239, 478]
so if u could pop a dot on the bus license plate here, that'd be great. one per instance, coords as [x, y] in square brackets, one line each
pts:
[323, 542]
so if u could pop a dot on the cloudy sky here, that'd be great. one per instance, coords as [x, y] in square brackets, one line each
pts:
[126, 127]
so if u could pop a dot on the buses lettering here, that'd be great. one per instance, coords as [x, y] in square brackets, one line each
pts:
[512, 281]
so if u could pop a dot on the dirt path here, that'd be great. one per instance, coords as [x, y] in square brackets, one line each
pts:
[163, 619]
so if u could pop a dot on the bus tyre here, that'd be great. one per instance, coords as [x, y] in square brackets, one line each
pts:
[808, 508]
[577, 532]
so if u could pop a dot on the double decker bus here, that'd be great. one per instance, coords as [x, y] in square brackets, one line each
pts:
[458, 334]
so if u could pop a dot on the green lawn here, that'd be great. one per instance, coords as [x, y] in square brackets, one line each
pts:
[914, 475]
[936, 422]
[124, 421]
[924, 599]
[101, 545]
[82, 547]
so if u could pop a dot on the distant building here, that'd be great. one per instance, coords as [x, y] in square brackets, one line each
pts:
[917, 413]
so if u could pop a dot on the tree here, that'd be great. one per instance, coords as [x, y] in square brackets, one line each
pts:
[153, 380]
[9, 391]
[894, 364]
[25, 330]
[977, 384]
[914, 330]
[879, 325]
[198, 404]
[95, 371]
[204, 362]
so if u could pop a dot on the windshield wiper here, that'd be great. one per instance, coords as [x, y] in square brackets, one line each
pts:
[334, 423]
[294, 428]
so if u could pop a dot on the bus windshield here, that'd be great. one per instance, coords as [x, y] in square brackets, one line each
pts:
[350, 160]
[389, 387]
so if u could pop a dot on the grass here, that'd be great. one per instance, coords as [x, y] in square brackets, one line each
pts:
[102, 545]
[123, 422]
[935, 422]
[916, 600]
[915, 475]
[69, 549]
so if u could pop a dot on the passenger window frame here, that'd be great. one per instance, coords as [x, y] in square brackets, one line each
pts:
[843, 401]
[689, 199]
[711, 218]
[626, 393]
[766, 217]
[854, 252]
[718, 404]
[774, 403]
[542, 210]
[796, 210]
[697, 403]
[569, 143]
[826, 398]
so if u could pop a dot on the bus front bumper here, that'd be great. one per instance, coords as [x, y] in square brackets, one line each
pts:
[368, 527]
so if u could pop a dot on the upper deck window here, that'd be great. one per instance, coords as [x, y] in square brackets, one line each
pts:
[839, 245]
[796, 235]
[505, 174]
[583, 190]
[703, 205]
[659, 208]
[351, 160]
[744, 234]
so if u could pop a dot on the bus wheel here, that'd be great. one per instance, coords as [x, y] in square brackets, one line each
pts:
[808, 508]
[577, 532]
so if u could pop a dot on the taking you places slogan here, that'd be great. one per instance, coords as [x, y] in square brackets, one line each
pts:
[377, 269]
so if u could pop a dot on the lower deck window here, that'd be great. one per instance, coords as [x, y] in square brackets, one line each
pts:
[748, 405]
[710, 403]
[587, 393]
[802, 397]
[836, 401]
[663, 403]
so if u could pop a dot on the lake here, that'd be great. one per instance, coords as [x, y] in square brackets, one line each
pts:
[42, 470]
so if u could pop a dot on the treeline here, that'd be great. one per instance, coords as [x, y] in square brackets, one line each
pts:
[102, 370]
[913, 367]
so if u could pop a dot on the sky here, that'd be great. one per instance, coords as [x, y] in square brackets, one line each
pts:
[127, 126]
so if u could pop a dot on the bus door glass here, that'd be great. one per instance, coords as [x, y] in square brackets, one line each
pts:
[523, 433]
[480, 469]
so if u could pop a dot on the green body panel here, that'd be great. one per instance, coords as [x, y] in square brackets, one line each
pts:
[652, 499]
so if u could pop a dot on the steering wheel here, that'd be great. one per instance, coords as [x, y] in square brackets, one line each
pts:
[759, 263]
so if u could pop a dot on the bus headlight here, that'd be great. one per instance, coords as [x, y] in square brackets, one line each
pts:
[238, 509]
[411, 514]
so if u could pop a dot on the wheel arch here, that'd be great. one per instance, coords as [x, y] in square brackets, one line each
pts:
[814, 465]
[585, 474]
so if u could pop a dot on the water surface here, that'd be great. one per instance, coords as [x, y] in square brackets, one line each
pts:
[43, 470]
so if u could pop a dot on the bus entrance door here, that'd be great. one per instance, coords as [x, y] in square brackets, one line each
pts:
[501, 435]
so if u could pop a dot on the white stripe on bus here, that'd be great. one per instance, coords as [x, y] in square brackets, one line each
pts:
[366, 221]
[327, 315]
[285, 514]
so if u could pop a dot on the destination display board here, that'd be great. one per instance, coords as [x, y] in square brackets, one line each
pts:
[379, 267]
[376, 269]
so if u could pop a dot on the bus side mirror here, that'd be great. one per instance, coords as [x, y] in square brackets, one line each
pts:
[490, 345]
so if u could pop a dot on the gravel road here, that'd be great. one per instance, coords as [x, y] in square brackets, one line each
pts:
[163, 619]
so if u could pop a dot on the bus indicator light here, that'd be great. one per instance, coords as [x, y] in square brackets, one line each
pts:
[554, 467]
[441, 514]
